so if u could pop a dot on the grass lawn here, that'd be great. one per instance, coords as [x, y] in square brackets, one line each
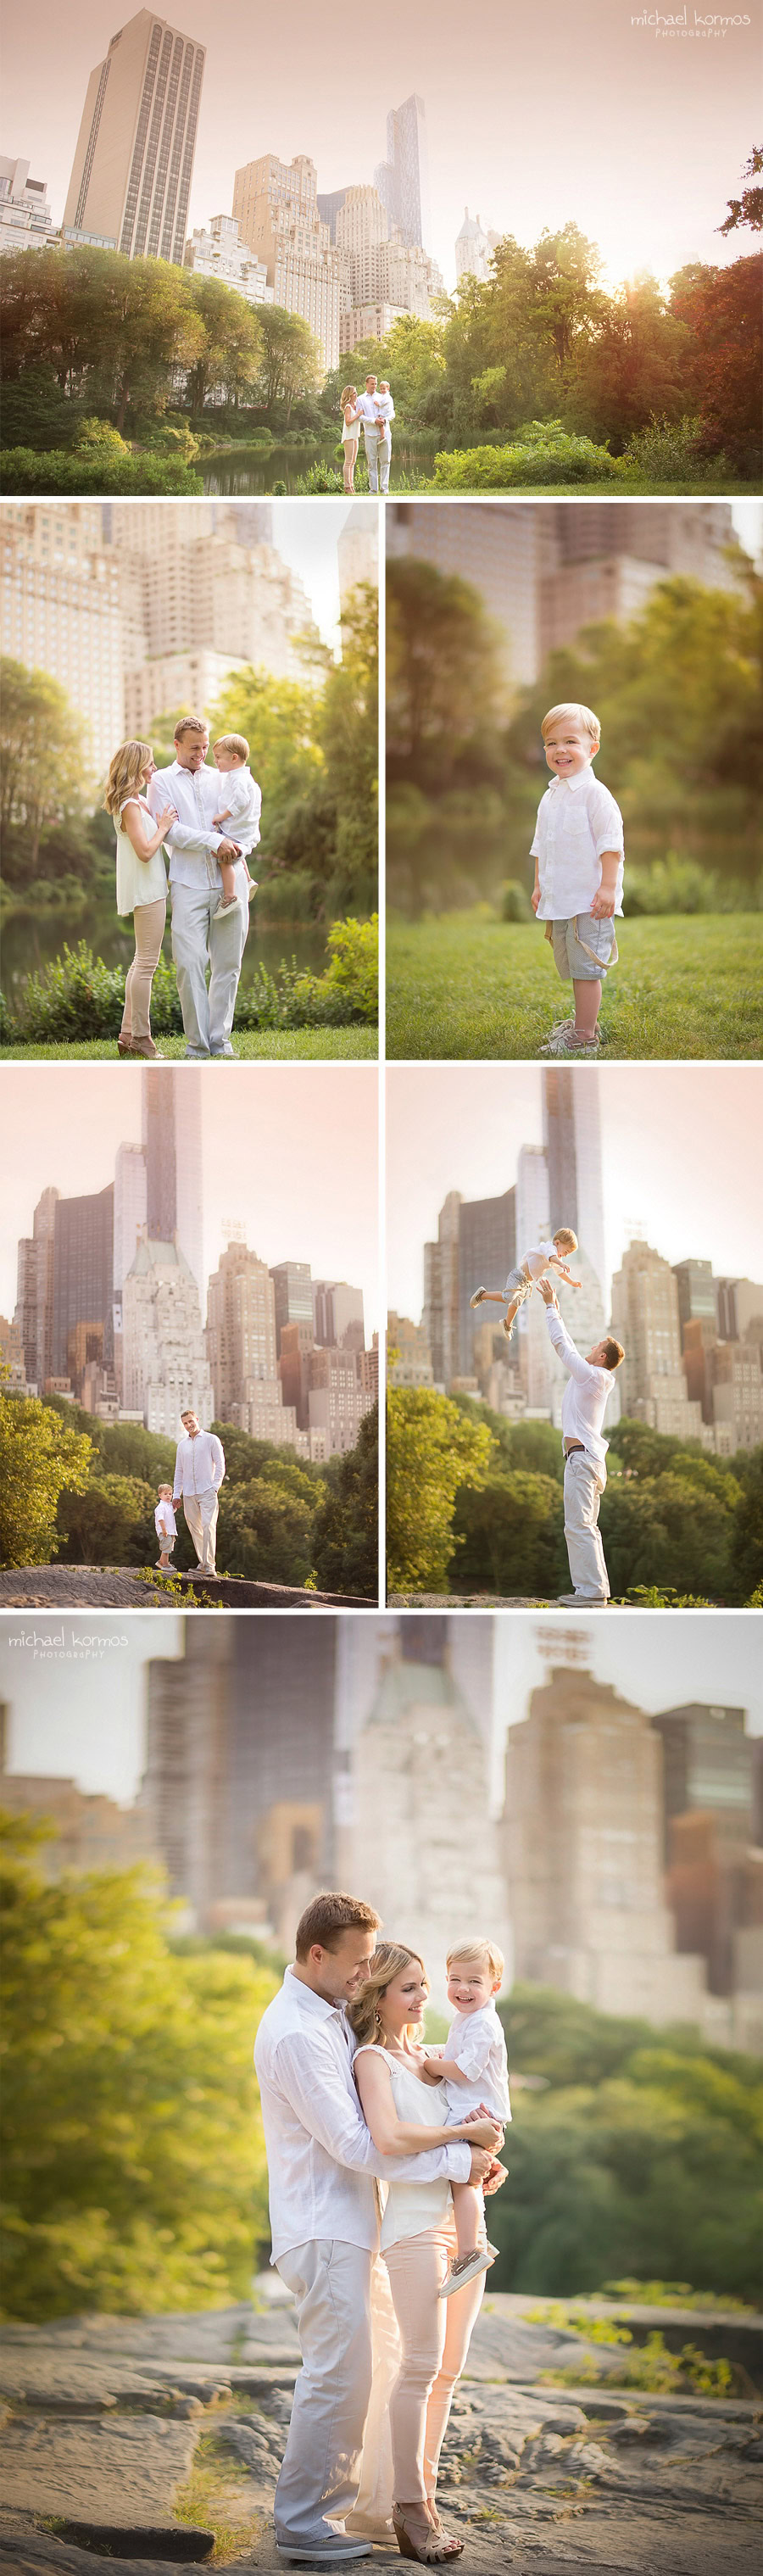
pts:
[275, 1046]
[684, 986]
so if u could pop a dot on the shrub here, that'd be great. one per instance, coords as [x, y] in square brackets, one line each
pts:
[674, 884]
[77, 997]
[93, 470]
[345, 994]
[542, 452]
[319, 478]
[666, 451]
[515, 902]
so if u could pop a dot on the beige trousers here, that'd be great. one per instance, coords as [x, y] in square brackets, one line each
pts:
[318, 2484]
[149, 920]
[201, 1516]
[435, 2335]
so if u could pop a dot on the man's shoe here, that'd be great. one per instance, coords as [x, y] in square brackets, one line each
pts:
[582, 1600]
[479, 1297]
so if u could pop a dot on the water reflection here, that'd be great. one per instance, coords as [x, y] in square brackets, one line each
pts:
[256, 469]
[32, 940]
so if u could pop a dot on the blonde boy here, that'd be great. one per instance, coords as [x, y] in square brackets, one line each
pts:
[578, 853]
[242, 806]
[535, 1265]
[474, 2070]
[165, 1525]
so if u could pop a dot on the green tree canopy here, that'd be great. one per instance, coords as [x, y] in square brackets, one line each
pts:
[45, 759]
[432, 1450]
[40, 1457]
[291, 365]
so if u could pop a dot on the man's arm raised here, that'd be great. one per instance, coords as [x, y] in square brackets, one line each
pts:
[571, 1358]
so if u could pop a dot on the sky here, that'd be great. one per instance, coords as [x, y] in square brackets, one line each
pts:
[533, 118]
[54, 1673]
[307, 537]
[676, 1152]
[289, 1150]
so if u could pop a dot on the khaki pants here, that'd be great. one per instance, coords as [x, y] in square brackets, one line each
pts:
[331, 2284]
[201, 1515]
[148, 922]
[435, 2335]
[583, 1489]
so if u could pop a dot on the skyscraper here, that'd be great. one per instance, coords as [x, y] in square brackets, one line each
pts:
[572, 1140]
[241, 1348]
[83, 1268]
[403, 179]
[64, 611]
[487, 1250]
[34, 1301]
[164, 1364]
[293, 1295]
[646, 1321]
[172, 1149]
[502, 563]
[132, 171]
[276, 207]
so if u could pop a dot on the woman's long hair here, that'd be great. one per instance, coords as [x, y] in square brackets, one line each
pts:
[126, 773]
[350, 395]
[389, 1960]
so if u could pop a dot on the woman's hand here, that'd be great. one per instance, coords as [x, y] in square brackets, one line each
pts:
[169, 816]
[482, 2133]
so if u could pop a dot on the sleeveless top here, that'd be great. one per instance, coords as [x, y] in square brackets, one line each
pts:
[413, 2206]
[350, 435]
[138, 880]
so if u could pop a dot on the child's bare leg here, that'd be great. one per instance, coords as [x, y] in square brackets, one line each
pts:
[227, 872]
[468, 2210]
[587, 1006]
[511, 1311]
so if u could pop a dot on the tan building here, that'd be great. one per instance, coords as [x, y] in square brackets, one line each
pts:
[735, 1385]
[410, 1359]
[171, 682]
[336, 1399]
[605, 562]
[205, 592]
[241, 1349]
[86, 1832]
[64, 612]
[645, 1318]
[441, 1306]
[24, 209]
[357, 559]
[371, 321]
[275, 205]
[33, 1319]
[14, 1379]
[498, 551]
[164, 1365]
[133, 166]
[362, 231]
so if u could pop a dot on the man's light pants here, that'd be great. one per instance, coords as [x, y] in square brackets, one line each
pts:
[201, 1515]
[378, 453]
[331, 2283]
[583, 1489]
[197, 940]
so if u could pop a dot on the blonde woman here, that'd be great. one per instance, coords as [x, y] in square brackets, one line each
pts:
[141, 884]
[350, 434]
[405, 2111]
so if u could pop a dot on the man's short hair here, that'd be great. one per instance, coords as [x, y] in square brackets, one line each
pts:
[188, 724]
[613, 1352]
[235, 742]
[328, 1916]
[571, 712]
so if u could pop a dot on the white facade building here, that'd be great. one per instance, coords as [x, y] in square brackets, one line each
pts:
[64, 612]
[164, 1364]
[133, 165]
[24, 210]
[403, 179]
[217, 252]
[275, 204]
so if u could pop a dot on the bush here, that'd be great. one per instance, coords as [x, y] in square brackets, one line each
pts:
[319, 478]
[673, 885]
[515, 902]
[666, 451]
[542, 452]
[347, 994]
[77, 997]
[93, 470]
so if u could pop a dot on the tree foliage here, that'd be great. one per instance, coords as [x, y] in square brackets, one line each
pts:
[432, 1449]
[41, 1457]
[42, 765]
[346, 1531]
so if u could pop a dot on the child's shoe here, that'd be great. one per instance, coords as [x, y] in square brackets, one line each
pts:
[466, 2267]
[479, 1297]
[253, 884]
[507, 1327]
[223, 907]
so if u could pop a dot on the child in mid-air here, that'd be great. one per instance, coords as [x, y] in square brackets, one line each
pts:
[243, 805]
[166, 1526]
[536, 1264]
[578, 853]
[474, 2070]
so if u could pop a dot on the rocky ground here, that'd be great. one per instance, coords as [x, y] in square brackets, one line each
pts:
[156, 2441]
[116, 1587]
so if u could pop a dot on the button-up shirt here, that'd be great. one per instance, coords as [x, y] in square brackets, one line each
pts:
[198, 794]
[321, 2156]
[366, 405]
[200, 1463]
[585, 1395]
[475, 2041]
[577, 821]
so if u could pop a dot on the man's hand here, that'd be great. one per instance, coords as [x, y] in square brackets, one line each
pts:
[176, 1502]
[535, 898]
[228, 850]
[493, 2181]
[482, 2164]
[548, 1292]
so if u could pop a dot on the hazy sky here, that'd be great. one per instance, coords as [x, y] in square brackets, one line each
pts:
[676, 1151]
[289, 1150]
[56, 1686]
[307, 537]
[532, 118]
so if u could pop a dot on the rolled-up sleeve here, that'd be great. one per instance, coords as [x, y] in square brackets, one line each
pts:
[605, 819]
[307, 2075]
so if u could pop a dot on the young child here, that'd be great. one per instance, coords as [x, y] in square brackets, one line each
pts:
[165, 1525]
[385, 411]
[474, 2069]
[536, 1264]
[578, 853]
[242, 806]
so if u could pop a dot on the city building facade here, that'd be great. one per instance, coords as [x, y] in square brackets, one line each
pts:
[275, 205]
[216, 251]
[165, 1371]
[25, 217]
[133, 165]
[645, 1318]
[63, 612]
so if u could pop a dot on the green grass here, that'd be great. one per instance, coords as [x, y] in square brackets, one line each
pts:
[684, 986]
[276, 1046]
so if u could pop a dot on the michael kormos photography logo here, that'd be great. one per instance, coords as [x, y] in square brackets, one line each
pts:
[688, 22]
[73, 1645]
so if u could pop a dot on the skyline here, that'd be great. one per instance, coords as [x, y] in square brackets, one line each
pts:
[504, 126]
[53, 1728]
[284, 1116]
[658, 1147]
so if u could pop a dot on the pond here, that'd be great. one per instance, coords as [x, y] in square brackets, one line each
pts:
[240, 469]
[32, 940]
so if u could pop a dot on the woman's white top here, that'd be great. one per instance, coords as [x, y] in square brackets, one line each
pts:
[577, 821]
[138, 880]
[476, 2042]
[412, 2206]
[350, 436]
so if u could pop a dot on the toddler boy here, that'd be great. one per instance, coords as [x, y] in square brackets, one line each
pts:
[474, 2071]
[165, 1525]
[243, 805]
[535, 1265]
[578, 853]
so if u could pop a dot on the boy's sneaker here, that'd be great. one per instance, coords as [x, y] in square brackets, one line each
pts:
[556, 1036]
[253, 884]
[507, 1327]
[567, 1044]
[463, 2268]
[223, 907]
[479, 1297]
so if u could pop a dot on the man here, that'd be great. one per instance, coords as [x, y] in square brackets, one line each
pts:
[590, 1385]
[199, 940]
[374, 434]
[199, 1472]
[323, 2217]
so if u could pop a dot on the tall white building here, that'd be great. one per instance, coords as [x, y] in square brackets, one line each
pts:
[66, 611]
[164, 1364]
[474, 248]
[362, 231]
[171, 1103]
[24, 210]
[645, 1318]
[275, 204]
[133, 165]
[403, 179]
[129, 1225]
[216, 251]
[357, 558]
[384, 273]
[572, 1141]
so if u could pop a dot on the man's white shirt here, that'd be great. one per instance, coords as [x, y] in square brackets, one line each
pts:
[199, 1463]
[367, 406]
[322, 2161]
[585, 1396]
[577, 821]
[198, 795]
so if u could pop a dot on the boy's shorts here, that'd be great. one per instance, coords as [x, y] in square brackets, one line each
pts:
[571, 939]
[517, 1286]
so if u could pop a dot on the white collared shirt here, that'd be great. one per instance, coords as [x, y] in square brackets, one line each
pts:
[586, 1393]
[240, 799]
[199, 1463]
[367, 407]
[197, 794]
[165, 1523]
[477, 2043]
[540, 1258]
[321, 2156]
[577, 821]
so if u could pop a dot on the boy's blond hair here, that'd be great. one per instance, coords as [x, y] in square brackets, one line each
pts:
[564, 1235]
[164, 1489]
[484, 1954]
[235, 742]
[570, 711]
[384, 384]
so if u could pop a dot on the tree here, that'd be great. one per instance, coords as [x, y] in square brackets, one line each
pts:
[431, 1452]
[747, 209]
[630, 367]
[442, 664]
[722, 307]
[231, 350]
[278, 720]
[510, 1533]
[291, 364]
[40, 1457]
[133, 2152]
[111, 1524]
[266, 1532]
[42, 780]
[347, 730]
[346, 1532]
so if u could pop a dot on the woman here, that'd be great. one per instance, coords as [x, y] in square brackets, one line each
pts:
[350, 434]
[404, 2111]
[141, 884]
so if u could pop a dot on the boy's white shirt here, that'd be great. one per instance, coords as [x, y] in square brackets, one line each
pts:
[384, 405]
[477, 2043]
[577, 821]
[240, 798]
[165, 1523]
[540, 1258]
